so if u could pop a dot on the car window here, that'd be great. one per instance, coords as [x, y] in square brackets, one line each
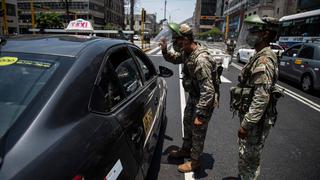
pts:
[147, 68]
[306, 52]
[276, 47]
[293, 50]
[126, 70]
[22, 77]
[107, 91]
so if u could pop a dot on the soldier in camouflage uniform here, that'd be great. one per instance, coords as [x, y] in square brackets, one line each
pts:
[260, 74]
[197, 81]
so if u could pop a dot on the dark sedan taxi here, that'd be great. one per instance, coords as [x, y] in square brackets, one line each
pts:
[78, 107]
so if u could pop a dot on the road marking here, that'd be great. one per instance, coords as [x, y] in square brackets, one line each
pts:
[182, 97]
[187, 176]
[292, 94]
[154, 50]
[224, 79]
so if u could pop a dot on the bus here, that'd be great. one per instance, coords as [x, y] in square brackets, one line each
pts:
[301, 27]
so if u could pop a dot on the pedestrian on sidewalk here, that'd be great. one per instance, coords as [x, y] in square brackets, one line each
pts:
[198, 81]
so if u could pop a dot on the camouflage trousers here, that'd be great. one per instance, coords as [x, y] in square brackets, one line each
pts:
[194, 136]
[250, 150]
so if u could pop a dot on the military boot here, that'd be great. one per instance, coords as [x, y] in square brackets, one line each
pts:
[180, 153]
[189, 166]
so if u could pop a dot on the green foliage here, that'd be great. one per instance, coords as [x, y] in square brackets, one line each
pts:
[109, 26]
[214, 32]
[49, 21]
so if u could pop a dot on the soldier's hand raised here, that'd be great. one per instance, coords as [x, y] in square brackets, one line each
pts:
[163, 43]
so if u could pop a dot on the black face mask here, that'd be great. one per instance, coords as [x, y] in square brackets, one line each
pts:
[176, 46]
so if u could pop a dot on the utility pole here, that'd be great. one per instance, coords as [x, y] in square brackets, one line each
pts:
[131, 17]
[165, 9]
[227, 28]
[4, 17]
[67, 10]
[33, 21]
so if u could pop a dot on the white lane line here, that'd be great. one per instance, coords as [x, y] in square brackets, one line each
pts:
[153, 50]
[187, 176]
[292, 94]
[224, 79]
[182, 98]
[159, 53]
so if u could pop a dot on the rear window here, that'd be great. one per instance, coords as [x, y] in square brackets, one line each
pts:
[21, 79]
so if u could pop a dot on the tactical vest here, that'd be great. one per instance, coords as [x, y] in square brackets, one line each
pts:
[241, 96]
[190, 83]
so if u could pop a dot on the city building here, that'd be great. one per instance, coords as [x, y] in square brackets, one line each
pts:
[205, 15]
[11, 17]
[98, 12]
[150, 25]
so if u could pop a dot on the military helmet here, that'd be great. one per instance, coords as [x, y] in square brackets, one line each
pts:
[174, 27]
[261, 24]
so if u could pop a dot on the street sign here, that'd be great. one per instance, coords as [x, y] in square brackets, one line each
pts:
[79, 25]
[208, 17]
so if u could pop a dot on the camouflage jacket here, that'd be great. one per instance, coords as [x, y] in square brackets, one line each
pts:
[199, 67]
[262, 75]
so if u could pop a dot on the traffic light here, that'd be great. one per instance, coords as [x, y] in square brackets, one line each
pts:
[143, 15]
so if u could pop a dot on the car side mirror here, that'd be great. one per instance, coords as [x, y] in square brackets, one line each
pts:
[165, 72]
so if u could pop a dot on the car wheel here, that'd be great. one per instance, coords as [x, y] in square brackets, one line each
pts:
[238, 57]
[306, 83]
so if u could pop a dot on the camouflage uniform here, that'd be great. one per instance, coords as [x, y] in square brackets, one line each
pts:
[257, 120]
[198, 74]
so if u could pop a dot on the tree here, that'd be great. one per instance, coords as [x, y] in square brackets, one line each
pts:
[109, 26]
[49, 21]
[214, 33]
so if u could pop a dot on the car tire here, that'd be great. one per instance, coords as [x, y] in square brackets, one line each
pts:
[306, 83]
[238, 58]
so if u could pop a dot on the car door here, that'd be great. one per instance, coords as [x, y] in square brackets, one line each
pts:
[154, 101]
[108, 101]
[137, 110]
[303, 61]
[287, 61]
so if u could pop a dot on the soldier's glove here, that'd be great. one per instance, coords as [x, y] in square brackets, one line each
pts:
[242, 133]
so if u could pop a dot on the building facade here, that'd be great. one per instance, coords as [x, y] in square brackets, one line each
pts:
[205, 15]
[150, 25]
[11, 17]
[98, 12]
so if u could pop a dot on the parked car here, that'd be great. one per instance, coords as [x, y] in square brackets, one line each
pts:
[244, 54]
[222, 56]
[78, 107]
[300, 63]
[136, 37]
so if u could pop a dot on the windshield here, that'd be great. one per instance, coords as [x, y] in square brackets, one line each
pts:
[21, 79]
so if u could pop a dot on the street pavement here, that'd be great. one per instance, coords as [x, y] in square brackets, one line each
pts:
[292, 150]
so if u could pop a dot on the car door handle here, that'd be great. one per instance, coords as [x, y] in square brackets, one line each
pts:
[156, 101]
[136, 137]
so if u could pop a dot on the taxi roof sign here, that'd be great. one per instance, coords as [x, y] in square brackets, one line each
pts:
[79, 25]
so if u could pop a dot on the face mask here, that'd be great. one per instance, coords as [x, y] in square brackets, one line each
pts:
[253, 40]
[176, 46]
